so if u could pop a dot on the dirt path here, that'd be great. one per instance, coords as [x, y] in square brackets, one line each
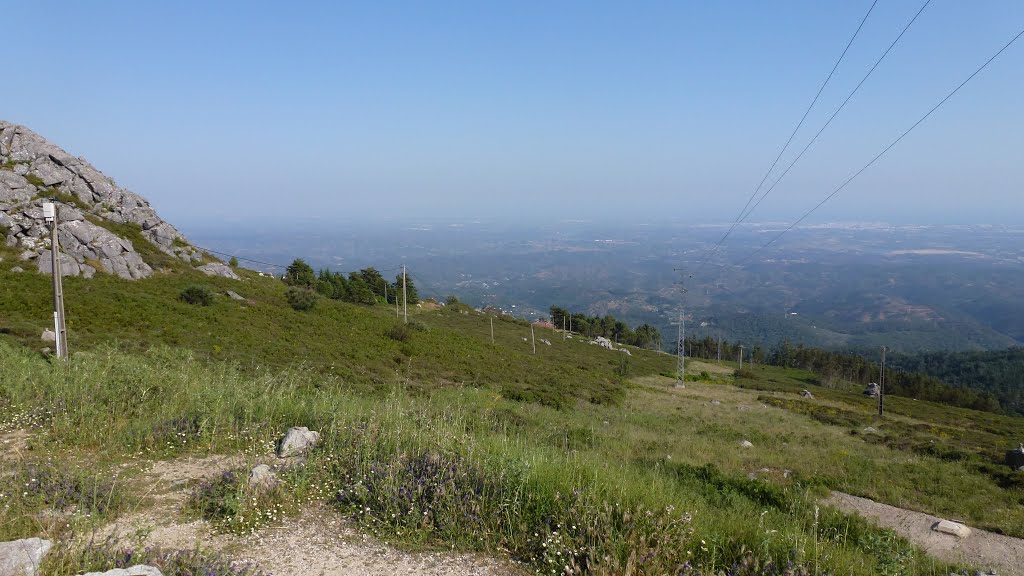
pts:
[321, 543]
[318, 542]
[981, 549]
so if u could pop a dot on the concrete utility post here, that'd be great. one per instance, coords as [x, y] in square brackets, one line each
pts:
[60, 329]
[405, 299]
[680, 353]
[881, 386]
[681, 342]
[492, 330]
[533, 339]
[741, 356]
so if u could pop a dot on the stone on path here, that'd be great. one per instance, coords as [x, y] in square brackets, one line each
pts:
[23, 557]
[952, 528]
[297, 441]
[140, 570]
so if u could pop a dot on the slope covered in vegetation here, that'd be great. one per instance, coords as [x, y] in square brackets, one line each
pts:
[574, 456]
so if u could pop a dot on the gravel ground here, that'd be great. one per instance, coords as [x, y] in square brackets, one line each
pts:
[980, 549]
[318, 542]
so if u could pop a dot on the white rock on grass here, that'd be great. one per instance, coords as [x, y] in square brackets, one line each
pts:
[218, 269]
[952, 528]
[746, 444]
[49, 336]
[23, 557]
[262, 478]
[297, 441]
[140, 570]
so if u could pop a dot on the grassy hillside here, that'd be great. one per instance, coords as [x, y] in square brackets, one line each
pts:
[576, 456]
[335, 338]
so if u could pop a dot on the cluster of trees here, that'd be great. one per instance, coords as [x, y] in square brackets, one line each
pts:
[366, 286]
[999, 372]
[643, 336]
[837, 366]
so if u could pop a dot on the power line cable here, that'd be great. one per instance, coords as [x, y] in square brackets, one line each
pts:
[886, 149]
[834, 114]
[753, 194]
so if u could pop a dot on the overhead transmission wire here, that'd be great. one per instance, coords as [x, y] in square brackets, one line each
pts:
[885, 150]
[834, 114]
[792, 135]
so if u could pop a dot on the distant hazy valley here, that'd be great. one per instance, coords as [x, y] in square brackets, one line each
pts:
[910, 288]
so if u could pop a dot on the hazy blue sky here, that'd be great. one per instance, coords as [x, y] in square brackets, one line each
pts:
[277, 112]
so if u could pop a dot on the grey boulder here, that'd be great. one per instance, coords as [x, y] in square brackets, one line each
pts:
[218, 269]
[297, 441]
[23, 557]
[262, 478]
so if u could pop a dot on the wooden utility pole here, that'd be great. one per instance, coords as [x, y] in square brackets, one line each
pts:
[881, 386]
[60, 329]
[405, 299]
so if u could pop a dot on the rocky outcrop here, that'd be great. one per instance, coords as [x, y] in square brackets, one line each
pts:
[218, 269]
[90, 204]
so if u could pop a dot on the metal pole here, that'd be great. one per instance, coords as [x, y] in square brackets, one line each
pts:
[405, 299]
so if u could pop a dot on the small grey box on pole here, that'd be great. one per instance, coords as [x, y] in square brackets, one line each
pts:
[50, 215]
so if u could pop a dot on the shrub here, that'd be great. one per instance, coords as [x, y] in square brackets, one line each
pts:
[233, 262]
[231, 505]
[34, 180]
[301, 299]
[399, 333]
[200, 295]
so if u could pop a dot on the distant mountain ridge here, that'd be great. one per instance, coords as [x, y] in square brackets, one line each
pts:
[100, 223]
